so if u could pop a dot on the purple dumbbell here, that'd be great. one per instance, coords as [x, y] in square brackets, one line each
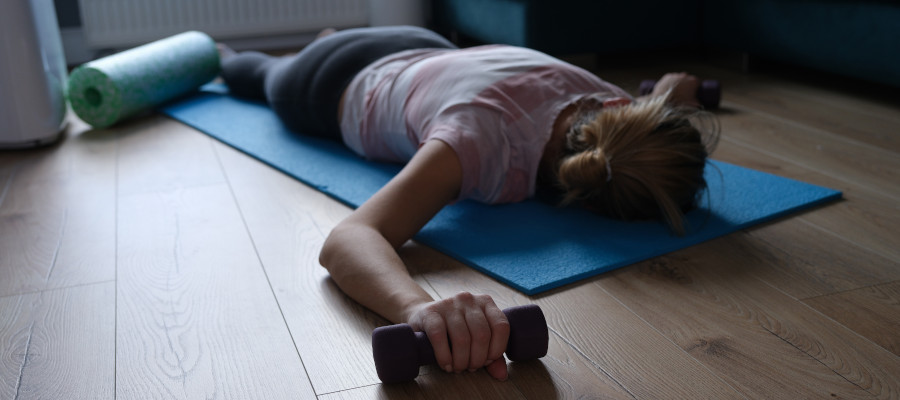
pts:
[399, 351]
[709, 93]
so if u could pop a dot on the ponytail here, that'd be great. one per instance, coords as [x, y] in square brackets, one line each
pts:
[643, 160]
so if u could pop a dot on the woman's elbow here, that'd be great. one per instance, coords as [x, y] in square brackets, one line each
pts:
[338, 249]
[330, 251]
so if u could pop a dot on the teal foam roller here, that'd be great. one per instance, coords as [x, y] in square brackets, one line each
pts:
[110, 89]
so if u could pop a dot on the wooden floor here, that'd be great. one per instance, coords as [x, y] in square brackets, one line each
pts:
[150, 261]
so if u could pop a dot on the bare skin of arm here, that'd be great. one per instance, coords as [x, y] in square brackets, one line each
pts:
[361, 256]
[683, 88]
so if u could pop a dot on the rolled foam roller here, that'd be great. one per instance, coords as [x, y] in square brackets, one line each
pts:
[110, 89]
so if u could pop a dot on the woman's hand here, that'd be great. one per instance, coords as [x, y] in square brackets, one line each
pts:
[472, 326]
[683, 88]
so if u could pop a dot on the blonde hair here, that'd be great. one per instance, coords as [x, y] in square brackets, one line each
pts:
[643, 160]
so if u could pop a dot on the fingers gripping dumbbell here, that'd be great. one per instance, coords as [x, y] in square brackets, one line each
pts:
[399, 351]
[709, 93]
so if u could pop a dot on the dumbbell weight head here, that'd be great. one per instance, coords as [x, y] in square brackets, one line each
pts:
[528, 334]
[709, 93]
[399, 351]
[646, 87]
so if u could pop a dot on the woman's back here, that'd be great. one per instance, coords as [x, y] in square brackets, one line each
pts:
[494, 105]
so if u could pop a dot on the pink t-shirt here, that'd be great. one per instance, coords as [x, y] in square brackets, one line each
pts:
[493, 105]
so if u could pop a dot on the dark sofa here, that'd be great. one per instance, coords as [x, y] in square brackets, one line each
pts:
[857, 38]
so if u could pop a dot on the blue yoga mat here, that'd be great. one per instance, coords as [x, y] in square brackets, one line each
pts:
[530, 246]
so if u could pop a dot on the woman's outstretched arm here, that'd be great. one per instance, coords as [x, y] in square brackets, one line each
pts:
[361, 256]
[681, 88]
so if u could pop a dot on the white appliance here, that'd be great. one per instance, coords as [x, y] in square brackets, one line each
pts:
[32, 74]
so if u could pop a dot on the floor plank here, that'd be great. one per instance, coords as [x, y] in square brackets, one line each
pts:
[325, 318]
[16, 316]
[57, 215]
[288, 222]
[565, 372]
[873, 312]
[377, 392]
[709, 301]
[847, 160]
[196, 315]
[150, 261]
[837, 247]
[864, 217]
[438, 387]
[161, 154]
[823, 105]
[804, 260]
[841, 112]
[596, 355]
[59, 343]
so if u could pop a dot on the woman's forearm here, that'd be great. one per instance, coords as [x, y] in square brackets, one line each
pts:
[360, 253]
[368, 269]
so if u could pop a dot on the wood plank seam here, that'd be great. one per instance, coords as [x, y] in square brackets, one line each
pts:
[567, 342]
[53, 289]
[849, 328]
[262, 265]
[425, 276]
[292, 217]
[59, 239]
[827, 317]
[166, 325]
[843, 104]
[116, 177]
[880, 322]
[787, 160]
[852, 190]
[884, 153]
[25, 358]
[774, 248]
[833, 96]
[816, 359]
[52, 347]
[850, 290]
[589, 360]
[850, 240]
[672, 342]
[347, 390]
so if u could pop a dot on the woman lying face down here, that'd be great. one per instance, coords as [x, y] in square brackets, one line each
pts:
[494, 124]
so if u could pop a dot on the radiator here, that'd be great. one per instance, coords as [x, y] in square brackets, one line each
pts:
[123, 23]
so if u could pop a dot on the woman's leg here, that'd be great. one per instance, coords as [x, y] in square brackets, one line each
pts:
[245, 73]
[304, 90]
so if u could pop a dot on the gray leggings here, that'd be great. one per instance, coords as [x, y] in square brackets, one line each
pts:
[305, 89]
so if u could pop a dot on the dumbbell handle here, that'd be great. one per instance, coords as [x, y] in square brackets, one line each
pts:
[425, 352]
[528, 339]
[516, 353]
[514, 347]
